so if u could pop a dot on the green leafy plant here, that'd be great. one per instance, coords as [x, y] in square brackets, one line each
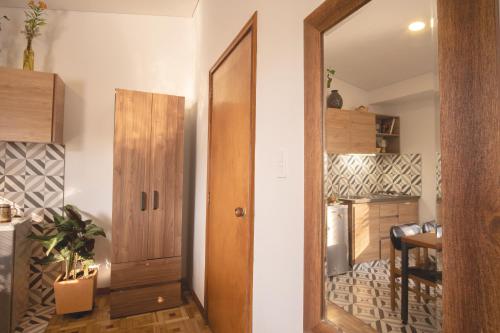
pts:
[330, 72]
[71, 240]
[34, 20]
[3, 17]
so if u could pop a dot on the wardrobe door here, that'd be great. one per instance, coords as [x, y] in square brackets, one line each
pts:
[166, 176]
[131, 171]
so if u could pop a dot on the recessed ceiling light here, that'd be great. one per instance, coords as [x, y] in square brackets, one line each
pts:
[416, 26]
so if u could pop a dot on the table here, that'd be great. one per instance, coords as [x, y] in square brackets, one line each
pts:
[427, 240]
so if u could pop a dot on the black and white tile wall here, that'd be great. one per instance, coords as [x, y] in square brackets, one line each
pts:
[32, 179]
[371, 174]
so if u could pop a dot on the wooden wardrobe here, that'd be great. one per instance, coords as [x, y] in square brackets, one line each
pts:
[147, 202]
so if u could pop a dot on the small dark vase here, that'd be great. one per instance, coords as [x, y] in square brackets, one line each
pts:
[334, 100]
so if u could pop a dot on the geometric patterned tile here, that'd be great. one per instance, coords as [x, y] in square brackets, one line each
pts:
[15, 150]
[54, 168]
[371, 174]
[32, 178]
[365, 292]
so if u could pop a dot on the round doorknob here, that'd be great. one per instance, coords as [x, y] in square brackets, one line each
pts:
[239, 212]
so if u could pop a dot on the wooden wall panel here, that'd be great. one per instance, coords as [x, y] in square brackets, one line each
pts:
[470, 143]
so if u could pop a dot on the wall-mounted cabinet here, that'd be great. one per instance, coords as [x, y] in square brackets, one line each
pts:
[387, 134]
[31, 106]
[350, 132]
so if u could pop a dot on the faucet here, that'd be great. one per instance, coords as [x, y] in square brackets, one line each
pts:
[348, 185]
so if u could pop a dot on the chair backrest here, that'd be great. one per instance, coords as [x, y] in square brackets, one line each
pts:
[399, 231]
[432, 226]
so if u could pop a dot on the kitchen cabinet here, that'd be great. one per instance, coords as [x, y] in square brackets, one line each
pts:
[147, 202]
[31, 106]
[370, 226]
[350, 132]
[15, 254]
[366, 232]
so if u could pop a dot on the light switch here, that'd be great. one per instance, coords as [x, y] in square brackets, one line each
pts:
[281, 164]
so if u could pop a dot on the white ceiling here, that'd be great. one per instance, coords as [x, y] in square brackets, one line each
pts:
[181, 8]
[374, 48]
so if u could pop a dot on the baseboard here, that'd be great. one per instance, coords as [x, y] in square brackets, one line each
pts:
[198, 304]
[103, 291]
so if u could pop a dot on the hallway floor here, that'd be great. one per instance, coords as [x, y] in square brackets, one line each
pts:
[184, 319]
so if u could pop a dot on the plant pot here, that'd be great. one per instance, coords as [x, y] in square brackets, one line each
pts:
[75, 295]
[29, 60]
[334, 100]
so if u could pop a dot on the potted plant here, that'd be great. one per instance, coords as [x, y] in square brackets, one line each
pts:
[34, 20]
[334, 100]
[71, 241]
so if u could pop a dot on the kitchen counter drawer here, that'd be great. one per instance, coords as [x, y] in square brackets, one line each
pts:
[141, 273]
[389, 210]
[148, 299]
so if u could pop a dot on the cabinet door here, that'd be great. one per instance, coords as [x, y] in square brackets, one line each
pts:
[337, 129]
[408, 212]
[366, 232]
[27, 106]
[131, 175]
[165, 222]
[362, 132]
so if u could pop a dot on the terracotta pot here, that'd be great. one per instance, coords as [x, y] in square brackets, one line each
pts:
[75, 295]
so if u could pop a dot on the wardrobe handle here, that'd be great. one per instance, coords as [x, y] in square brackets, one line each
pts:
[156, 200]
[143, 201]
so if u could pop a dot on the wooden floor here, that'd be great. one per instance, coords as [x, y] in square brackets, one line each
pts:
[184, 319]
[347, 322]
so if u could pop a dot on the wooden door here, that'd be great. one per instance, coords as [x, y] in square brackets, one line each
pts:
[167, 149]
[131, 175]
[229, 252]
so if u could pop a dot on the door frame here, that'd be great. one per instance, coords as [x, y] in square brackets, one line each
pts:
[469, 94]
[249, 27]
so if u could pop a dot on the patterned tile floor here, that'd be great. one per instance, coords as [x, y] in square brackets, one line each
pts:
[365, 293]
[184, 319]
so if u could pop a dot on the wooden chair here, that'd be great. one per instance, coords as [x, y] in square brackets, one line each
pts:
[422, 273]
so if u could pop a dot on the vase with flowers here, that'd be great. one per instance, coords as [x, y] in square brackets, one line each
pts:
[34, 20]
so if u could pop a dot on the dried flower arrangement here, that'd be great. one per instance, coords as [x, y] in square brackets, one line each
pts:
[34, 20]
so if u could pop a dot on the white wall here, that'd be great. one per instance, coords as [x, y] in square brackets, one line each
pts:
[418, 135]
[94, 54]
[279, 204]
[352, 96]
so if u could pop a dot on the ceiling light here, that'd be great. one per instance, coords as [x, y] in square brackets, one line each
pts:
[416, 26]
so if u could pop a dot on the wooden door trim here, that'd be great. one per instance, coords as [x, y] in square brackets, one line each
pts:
[249, 27]
[460, 78]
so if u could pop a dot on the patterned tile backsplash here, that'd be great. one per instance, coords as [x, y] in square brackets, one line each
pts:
[370, 174]
[32, 180]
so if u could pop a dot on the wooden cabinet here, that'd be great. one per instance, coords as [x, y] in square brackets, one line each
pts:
[15, 254]
[147, 200]
[31, 106]
[366, 232]
[350, 132]
[371, 223]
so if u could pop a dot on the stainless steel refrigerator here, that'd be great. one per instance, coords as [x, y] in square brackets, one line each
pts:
[337, 242]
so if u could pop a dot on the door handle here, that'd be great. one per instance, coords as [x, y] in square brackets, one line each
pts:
[239, 212]
[156, 200]
[143, 201]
